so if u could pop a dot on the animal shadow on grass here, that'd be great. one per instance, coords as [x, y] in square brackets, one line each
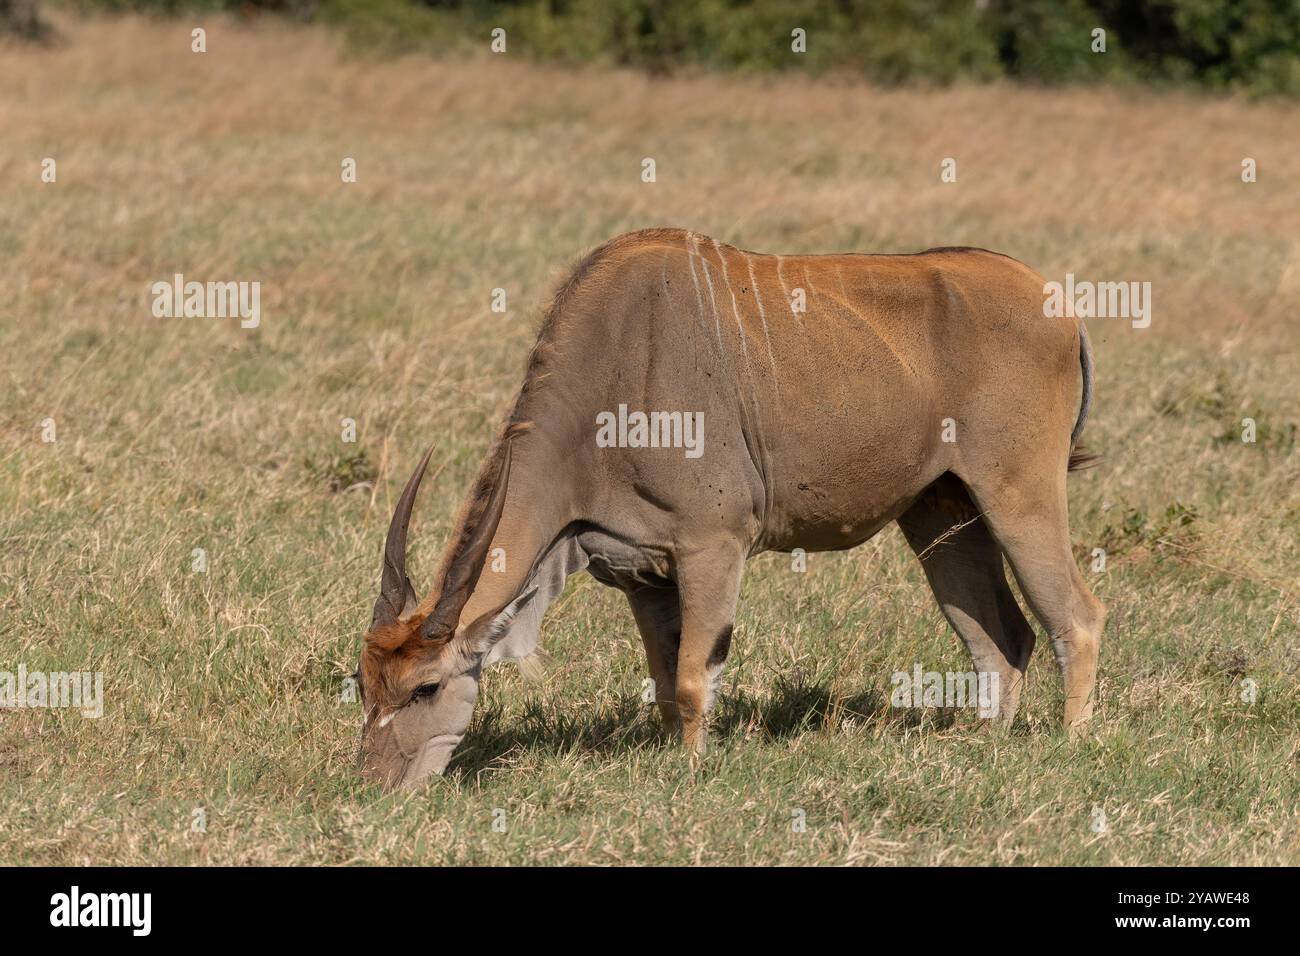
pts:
[611, 728]
[794, 707]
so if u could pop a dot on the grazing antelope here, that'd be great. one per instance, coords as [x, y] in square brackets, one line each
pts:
[832, 394]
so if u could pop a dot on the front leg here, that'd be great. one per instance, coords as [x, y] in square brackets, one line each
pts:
[709, 583]
[658, 614]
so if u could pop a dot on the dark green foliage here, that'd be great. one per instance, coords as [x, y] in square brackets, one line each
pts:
[21, 18]
[1252, 45]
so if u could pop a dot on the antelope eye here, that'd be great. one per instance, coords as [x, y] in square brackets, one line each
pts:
[423, 691]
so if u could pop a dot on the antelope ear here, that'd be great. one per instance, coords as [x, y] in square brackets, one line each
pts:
[467, 564]
[479, 637]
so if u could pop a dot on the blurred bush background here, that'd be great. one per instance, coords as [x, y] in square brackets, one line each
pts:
[1243, 45]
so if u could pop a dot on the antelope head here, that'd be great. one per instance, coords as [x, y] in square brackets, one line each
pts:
[419, 671]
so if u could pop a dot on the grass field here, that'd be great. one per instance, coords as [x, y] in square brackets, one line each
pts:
[223, 690]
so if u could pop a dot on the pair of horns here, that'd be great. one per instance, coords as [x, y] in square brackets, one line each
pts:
[397, 596]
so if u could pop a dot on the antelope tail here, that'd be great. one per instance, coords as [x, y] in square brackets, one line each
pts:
[1079, 456]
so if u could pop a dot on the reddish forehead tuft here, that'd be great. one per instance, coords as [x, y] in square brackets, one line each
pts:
[390, 637]
[390, 654]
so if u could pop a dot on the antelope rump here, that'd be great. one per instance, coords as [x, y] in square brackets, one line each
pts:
[833, 394]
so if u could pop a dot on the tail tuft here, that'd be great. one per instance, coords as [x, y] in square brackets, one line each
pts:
[1081, 458]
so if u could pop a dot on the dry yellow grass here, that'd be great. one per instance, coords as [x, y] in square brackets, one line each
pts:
[222, 690]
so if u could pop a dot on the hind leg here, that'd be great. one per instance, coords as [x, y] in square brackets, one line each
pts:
[658, 616]
[1029, 520]
[963, 564]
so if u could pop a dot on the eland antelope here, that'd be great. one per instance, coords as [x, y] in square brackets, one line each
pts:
[832, 394]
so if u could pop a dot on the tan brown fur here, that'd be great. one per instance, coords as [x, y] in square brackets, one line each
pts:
[824, 427]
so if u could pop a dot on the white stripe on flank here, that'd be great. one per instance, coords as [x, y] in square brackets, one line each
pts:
[785, 290]
[695, 280]
[810, 290]
[699, 299]
[691, 253]
[735, 310]
[851, 305]
[717, 322]
[839, 277]
[758, 300]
